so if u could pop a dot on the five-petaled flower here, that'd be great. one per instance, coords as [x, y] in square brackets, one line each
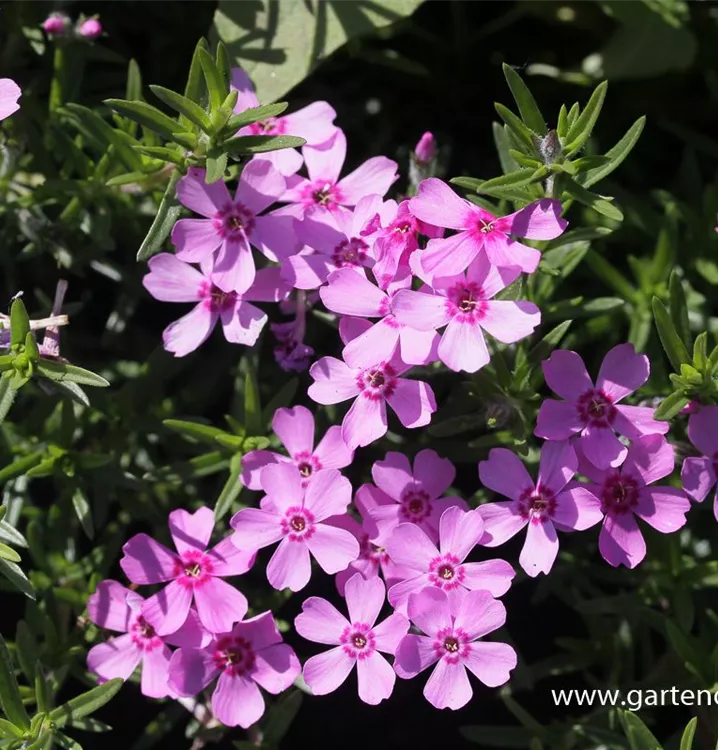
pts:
[699, 474]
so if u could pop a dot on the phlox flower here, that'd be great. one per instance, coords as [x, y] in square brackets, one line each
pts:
[700, 474]
[332, 240]
[194, 574]
[251, 655]
[406, 495]
[9, 94]
[357, 641]
[436, 203]
[349, 293]
[230, 226]
[553, 502]
[314, 123]
[371, 388]
[624, 493]
[444, 568]
[296, 516]
[465, 305]
[324, 190]
[451, 641]
[115, 607]
[593, 411]
[295, 428]
[172, 280]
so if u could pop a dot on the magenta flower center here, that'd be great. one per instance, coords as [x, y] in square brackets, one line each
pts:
[538, 505]
[350, 253]
[270, 126]
[321, 193]
[446, 572]
[193, 569]
[619, 494]
[596, 408]
[377, 382]
[466, 302]
[297, 524]
[215, 299]
[143, 635]
[234, 655]
[403, 226]
[485, 227]
[451, 645]
[234, 222]
[358, 640]
[307, 464]
[415, 505]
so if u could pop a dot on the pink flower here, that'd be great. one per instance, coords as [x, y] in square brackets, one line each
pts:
[314, 123]
[397, 241]
[91, 28]
[172, 280]
[624, 494]
[700, 474]
[333, 240]
[56, 24]
[403, 495]
[324, 190]
[9, 94]
[452, 640]
[465, 306]
[115, 607]
[371, 388]
[295, 516]
[437, 204]
[425, 149]
[444, 568]
[592, 411]
[349, 293]
[230, 226]
[295, 428]
[554, 502]
[251, 654]
[194, 573]
[357, 641]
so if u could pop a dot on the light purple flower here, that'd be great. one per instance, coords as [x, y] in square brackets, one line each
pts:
[700, 474]
[624, 494]
[452, 640]
[349, 293]
[296, 516]
[465, 306]
[324, 190]
[194, 574]
[406, 495]
[251, 655]
[357, 641]
[172, 280]
[115, 607]
[593, 411]
[314, 123]
[9, 94]
[436, 203]
[230, 226]
[371, 388]
[295, 428]
[554, 502]
[444, 568]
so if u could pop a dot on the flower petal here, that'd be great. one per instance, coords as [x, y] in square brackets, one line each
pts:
[462, 346]
[155, 666]
[649, 459]
[664, 508]
[365, 422]
[194, 193]
[108, 607]
[448, 256]
[295, 428]
[325, 160]
[260, 185]
[325, 672]
[255, 528]
[448, 686]
[620, 541]
[501, 522]
[191, 531]
[480, 614]
[540, 220]
[290, 566]
[374, 176]
[190, 331]
[540, 548]
[334, 381]
[388, 634]
[332, 451]
[332, 548]
[194, 240]
[698, 476]
[413, 401]
[171, 280]
[276, 668]
[622, 371]
[365, 598]
[146, 561]
[219, 605]
[557, 465]
[425, 312]
[409, 545]
[320, 621]
[703, 430]
[494, 576]
[602, 448]
[414, 654]
[436, 203]
[504, 473]
[167, 610]
[459, 532]
[566, 375]
[375, 678]
[491, 662]
[509, 321]
[237, 701]
[191, 670]
[117, 657]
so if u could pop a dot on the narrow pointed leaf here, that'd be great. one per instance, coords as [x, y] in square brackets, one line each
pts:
[616, 155]
[8, 391]
[85, 704]
[259, 144]
[689, 734]
[530, 113]
[10, 699]
[217, 87]
[167, 215]
[14, 574]
[193, 112]
[679, 309]
[580, 131]
[672, 344]
[63, 371]
[232, 488]
[522, 133]
[84, 512]
[146, 115]
[19, 322]
[255, 114]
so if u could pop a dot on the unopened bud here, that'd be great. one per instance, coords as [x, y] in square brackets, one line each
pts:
[549, 147]
[90, 28]
[425, 149]
[56, 24]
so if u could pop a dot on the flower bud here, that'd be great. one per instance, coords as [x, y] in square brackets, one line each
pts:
[549, 147]
[90, 28]
[425, 149]
[56, 24]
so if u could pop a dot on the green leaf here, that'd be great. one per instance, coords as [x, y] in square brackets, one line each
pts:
[232, 488]
[89, 725]
[84, 512]
[700, 362]
[562, 123]
[26, 650]
[530, 113]
[689, 734]
[282, 398]
[8, 731]
[193, 112]
[281, 715]
[10, 534]
[468, 183]
[133, 89]
[167, 214]
[279, 44]
[7, 396]
[518, 178]
[10, 699]
[31, 348]
[216, 165]
[16, 468]
[146, 115]
[611, 276]
[42, 690]
[54, 370]
[639, 736]
[615, 155]
[259, 144]
[672, 344]
[19, 323]
[580, 131]
[193, 89]
[522, 133]
[216, 84]
[85, 704]
[255, 114]
[252, 405]
[679, 309]
[598, 203]
[18, 579]
[671, 406]
[577, 308]
[503, 148]
[8, 553]
[202, 432]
